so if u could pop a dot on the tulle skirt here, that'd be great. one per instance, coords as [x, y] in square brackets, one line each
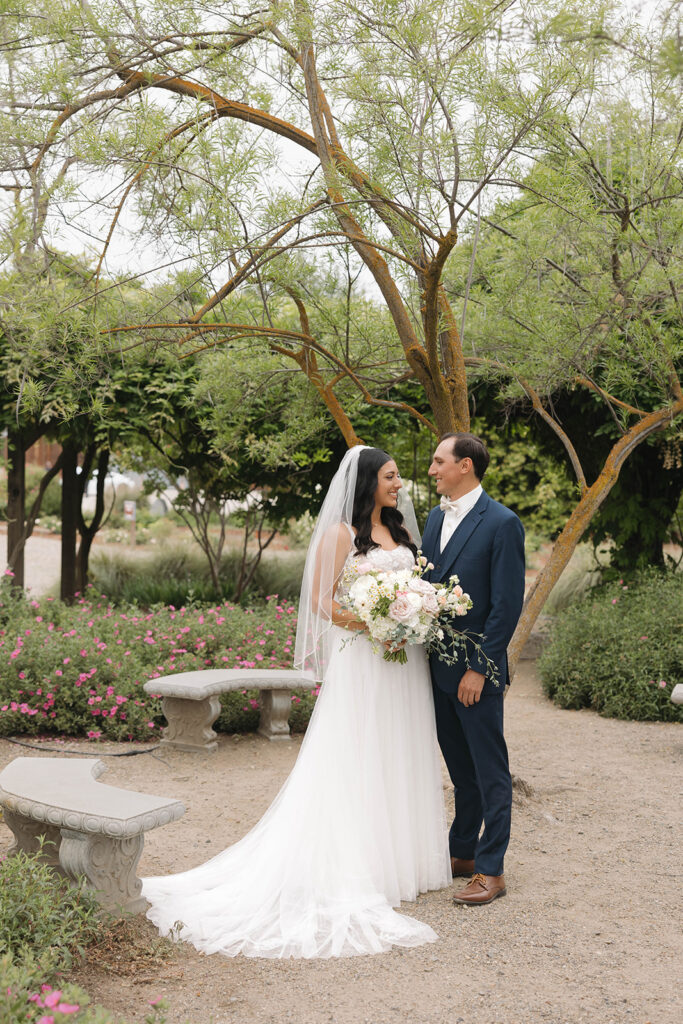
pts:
[358, 827]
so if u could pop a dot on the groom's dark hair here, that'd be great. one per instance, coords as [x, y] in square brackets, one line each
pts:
[469, 446]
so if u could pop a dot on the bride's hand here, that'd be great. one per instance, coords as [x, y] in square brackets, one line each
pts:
[392, 648]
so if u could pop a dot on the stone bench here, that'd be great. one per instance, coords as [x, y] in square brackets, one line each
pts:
[89, 829]
[190, 702]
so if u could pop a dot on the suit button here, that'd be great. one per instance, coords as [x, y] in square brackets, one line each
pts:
[436, 568]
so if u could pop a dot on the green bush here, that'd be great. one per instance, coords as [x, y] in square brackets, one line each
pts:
[80, 669]
[30, 991]
[179, 575]
[46, 926]
[40, 911]
[620, 651]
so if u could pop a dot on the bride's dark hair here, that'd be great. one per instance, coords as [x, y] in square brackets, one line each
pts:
[370, 461]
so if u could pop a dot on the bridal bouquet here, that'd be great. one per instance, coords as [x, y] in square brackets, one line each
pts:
[400, 607]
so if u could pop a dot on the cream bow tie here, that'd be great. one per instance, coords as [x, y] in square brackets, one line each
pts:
[448, 505]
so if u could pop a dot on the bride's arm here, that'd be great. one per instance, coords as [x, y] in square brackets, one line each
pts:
[329, 564]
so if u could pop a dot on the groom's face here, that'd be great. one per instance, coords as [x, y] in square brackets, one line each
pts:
[448, 473]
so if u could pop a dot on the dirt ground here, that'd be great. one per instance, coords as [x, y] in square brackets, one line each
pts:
[589, 930]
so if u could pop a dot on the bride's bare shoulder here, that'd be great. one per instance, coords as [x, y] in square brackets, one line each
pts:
[340, 536]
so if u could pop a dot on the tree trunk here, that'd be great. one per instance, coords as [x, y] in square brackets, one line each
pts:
[88, 532]
[16, 505]
[70, 512]
[34, 512]
[578, 522]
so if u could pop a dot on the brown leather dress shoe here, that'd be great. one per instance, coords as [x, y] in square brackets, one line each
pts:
[461, 868]
[481, 889]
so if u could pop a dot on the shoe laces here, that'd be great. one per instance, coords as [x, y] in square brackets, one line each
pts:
[481, 879]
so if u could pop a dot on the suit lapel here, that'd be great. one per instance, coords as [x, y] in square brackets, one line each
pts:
[461, 535]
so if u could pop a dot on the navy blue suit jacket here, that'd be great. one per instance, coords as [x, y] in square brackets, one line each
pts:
[486, 552]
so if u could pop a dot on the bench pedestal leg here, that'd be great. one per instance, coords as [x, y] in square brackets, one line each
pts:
[109, 866]
[275, 708]
[189, 723]
[27, 834]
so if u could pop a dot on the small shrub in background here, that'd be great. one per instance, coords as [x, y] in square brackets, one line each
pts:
[179, 575]
[300, 530]
[80, 669]
[583, 573]
[620, 650]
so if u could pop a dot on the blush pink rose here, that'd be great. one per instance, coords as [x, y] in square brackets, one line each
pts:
[419, 586]
[403, 609]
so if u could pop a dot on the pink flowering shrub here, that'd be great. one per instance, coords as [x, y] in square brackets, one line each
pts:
[79, 669]
[26, 997]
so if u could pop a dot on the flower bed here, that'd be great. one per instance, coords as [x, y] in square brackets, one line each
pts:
[79, 669]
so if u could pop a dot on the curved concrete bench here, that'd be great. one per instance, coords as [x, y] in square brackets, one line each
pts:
[89, 829]
[190, 702]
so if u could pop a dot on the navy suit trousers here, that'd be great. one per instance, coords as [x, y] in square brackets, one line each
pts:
[474, 748]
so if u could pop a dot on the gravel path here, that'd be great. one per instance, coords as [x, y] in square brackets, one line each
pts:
[589, 931]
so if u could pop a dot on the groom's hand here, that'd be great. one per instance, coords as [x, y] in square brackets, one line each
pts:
[471, 685]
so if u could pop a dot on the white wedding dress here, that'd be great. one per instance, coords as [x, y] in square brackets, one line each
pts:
[358, 826]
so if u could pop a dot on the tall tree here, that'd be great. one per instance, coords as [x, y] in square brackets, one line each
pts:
[381, 128]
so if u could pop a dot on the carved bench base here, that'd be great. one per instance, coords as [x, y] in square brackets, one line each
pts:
[108, 865]
[190, 721]
[275, 708]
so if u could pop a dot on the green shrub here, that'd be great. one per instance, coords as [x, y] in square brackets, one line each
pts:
[179, 575]
[80, 669]
[40, 911]
[620, 651]
[30, 992]
[46, 926]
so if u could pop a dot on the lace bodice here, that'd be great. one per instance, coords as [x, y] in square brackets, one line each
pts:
[400, 557]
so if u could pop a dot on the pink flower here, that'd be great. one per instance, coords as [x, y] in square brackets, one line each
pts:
[662, 683]
[405, 607]
[45, 1020]
[420, 586]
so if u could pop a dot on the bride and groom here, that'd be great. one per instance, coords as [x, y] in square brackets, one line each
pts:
[359, 826]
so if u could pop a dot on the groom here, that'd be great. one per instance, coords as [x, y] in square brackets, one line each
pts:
[482, 542]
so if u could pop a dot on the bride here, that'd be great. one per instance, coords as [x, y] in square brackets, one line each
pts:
[359, 825]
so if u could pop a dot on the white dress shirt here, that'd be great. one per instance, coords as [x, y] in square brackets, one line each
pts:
[453, 517]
